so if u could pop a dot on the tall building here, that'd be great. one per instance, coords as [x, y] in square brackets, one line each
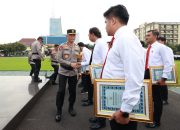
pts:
[55, 27]
[169, 30]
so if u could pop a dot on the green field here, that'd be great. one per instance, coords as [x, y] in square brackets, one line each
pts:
[21, 63]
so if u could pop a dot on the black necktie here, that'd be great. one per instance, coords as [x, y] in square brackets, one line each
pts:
[91, 55]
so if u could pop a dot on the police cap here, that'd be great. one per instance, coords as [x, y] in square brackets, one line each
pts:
[71, 31]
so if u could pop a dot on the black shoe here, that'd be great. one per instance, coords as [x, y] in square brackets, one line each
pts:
[38, 81]
[152, 125]
[97, 125]
[58, 117]
[89, 103]
[84, 100]
[93, 119]
[72, 112]
[165, 102]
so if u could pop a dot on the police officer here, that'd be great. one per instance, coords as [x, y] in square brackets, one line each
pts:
[69, 59]
[37, 56]
[32, 64]
[54, 63]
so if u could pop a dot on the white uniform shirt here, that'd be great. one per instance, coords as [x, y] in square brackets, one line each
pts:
[171, 54]
[159, 56]
[86, 54]
[36, 48]
[125, 60]
[99, 52]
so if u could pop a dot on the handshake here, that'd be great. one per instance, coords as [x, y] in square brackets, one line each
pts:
[76, 65]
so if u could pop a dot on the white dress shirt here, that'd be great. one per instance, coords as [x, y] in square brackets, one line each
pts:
[86, 55]
[170, 55]
[159, 56]
[99, 52]
[125, 60]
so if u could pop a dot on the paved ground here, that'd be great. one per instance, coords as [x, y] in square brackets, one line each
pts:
[41, 117]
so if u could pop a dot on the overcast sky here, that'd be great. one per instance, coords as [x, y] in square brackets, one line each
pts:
[30, 18]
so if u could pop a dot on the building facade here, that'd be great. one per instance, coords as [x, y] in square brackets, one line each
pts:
[169, 30]
[55, 27]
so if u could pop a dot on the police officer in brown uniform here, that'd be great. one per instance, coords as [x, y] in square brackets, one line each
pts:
[69, 59]
[37, 57]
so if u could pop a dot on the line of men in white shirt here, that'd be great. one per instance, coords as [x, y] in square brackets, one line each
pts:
[160, 55]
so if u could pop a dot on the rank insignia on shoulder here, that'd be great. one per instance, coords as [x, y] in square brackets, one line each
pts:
[60, 47]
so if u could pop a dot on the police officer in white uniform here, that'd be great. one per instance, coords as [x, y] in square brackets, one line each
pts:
[69, 59]
[125, 60]
[157, 56]
[37, 56]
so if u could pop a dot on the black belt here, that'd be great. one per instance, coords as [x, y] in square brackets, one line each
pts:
[35, 53]
[55, 61]
[66, 67]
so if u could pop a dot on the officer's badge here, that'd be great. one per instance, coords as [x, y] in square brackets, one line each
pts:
[66, 56]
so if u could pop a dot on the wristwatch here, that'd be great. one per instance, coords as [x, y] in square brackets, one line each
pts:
[164, 79]
[125, 114]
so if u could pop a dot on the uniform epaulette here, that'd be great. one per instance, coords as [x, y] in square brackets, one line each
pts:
[60, 47]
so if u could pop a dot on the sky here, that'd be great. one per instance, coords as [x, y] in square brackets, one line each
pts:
[30, 18]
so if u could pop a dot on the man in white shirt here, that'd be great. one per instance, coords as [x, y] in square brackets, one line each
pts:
[171, 56]
[98, 56]
[125, 60]
[157, 56]
[86, 80]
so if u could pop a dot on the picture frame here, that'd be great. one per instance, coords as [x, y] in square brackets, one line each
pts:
[108, 95]
[95, 71]
[157, 71]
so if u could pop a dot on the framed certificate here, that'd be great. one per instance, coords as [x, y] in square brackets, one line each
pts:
[156, 74]
[108, 94]
[95, 72]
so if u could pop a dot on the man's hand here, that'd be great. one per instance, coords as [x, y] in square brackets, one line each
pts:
[161, 82]
[74, 65]
[118, 116]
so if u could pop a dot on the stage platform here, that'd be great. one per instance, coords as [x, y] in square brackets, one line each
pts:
[17, 95]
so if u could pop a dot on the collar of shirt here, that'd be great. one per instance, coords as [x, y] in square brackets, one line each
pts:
[119, 31]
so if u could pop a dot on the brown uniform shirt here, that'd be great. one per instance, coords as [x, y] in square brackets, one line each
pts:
[68, 54]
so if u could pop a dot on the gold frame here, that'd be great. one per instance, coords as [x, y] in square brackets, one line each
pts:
[91, 68]
[147, 115]
[168, 82]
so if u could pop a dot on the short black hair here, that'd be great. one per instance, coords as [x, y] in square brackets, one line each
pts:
[81, 44]
[56, 45]
[40, 38]
[95, 31]
[154, 32]
[162, 38]
[142, 43]
[118, 11]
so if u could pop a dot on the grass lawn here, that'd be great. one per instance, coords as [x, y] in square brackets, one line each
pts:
[21, 63]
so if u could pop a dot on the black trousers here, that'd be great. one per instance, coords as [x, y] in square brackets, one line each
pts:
[89, 87]
[132, 125]
[84, 82]
[72, 81]
[37, 68]
[54, 75]
[157, 99]
[32, 69]
[164, 93]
